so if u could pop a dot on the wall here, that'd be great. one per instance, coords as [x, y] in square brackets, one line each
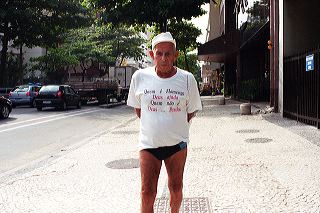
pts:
[32, 53]
[301, 25]
[216, 17]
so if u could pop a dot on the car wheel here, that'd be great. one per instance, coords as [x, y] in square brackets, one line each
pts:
[64, 106]
[39, 108]
[84, 102]
[4, 112]
[79, 105]
[33, 103]
[119, 98]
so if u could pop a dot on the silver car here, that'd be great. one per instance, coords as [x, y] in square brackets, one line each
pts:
[24, 95]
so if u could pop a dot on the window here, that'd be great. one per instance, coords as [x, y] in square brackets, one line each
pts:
[67, 90]
[22, 89]
[72, 91]
[49, 89]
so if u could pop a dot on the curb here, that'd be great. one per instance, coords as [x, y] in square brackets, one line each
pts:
[111, 105]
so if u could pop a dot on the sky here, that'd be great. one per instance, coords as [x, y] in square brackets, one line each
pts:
[202, 21]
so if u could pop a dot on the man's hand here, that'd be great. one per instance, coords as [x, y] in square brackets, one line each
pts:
[138, 112]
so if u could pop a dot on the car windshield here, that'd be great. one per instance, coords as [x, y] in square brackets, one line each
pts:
[51, 88]
[22, 89]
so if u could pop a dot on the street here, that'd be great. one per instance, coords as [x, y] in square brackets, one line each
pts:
[28, 135]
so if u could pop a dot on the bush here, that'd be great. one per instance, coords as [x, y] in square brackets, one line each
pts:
[249, 89]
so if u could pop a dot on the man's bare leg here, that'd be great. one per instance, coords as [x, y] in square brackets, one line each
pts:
[175, 167]
[150, 169]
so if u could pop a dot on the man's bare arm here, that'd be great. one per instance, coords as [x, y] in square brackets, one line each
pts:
[138, 112]
[191, 115]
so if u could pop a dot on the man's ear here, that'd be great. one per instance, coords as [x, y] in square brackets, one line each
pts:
[151, 54]
[177, 54]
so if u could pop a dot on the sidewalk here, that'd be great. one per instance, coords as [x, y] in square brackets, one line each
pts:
[256, 163]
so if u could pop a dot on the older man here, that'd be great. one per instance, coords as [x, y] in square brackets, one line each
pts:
[165, 99]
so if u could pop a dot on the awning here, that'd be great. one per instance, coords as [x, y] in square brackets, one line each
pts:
[263, 33]
[217, 49]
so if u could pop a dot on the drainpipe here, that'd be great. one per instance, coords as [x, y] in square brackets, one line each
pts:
[238, 74]
[318, 94]
[274, 54]
[271, 53]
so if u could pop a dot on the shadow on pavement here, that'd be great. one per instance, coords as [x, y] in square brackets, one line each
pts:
[308, 132]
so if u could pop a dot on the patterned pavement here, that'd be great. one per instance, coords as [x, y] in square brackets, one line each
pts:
[235, 164]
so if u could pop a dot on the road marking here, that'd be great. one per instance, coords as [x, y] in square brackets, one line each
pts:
[40, 118]
[46, 121]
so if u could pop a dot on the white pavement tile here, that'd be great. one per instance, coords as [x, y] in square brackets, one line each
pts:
[282, 175]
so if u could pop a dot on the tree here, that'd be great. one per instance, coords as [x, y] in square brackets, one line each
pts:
[92, 45]
[124, 41]
[259, 12]
[149, 12]
[193, 65]
[55, 63]
[104, 44]
[240, 4]
[35, 23]
[258, 15]
[186, 35]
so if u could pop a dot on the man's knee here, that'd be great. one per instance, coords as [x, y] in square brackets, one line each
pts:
[148, 192]
[175, 187]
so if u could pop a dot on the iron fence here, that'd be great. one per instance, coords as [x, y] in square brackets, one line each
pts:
[301, 87]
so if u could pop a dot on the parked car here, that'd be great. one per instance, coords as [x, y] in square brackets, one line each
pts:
[58, 96]
[5, 107]
[24, 95]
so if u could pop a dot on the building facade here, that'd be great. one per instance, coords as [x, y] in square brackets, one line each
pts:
[291, 62]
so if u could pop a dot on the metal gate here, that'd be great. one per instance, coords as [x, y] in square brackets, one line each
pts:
[301, 88]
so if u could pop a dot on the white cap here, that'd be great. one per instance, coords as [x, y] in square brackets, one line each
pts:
[163, 37]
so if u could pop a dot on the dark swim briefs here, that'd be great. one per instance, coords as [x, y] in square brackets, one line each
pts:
[163, 153]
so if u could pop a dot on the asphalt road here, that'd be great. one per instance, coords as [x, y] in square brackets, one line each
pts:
[28, 135]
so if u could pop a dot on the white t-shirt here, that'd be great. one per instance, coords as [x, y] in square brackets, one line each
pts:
[164, 104]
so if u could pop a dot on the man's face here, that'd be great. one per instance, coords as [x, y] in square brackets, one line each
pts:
[164, 55]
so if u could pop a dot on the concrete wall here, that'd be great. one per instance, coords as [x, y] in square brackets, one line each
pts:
[301, 25]
[216, 24]
[216, 15]
[32, 53]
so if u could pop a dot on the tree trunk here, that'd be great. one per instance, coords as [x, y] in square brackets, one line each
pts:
[186, 61]
[20, 65]
[3, 70]
[83, 67]
[122, 58]
[42, 75]
[163, 25]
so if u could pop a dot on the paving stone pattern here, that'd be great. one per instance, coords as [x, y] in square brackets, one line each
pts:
[224, 173]
[189, 205]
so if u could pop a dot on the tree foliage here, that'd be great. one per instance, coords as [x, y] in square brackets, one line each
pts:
[149, 12]
[259, 12]
[54, 64]
[93, 45]
[185, 34]
[36, 23]
[258, 15]
[193, 65]
[124, 41]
